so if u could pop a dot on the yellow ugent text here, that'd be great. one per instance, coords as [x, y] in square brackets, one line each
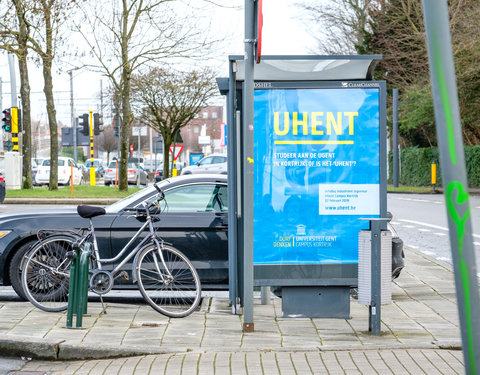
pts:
[315, 123]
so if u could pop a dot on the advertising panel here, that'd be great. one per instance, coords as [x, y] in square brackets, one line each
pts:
[316, 172]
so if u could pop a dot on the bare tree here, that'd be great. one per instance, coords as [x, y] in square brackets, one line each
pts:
[107, 142]
[47, 19]
[342, 23]
[14, 34]
[136, 33]
[170, 100]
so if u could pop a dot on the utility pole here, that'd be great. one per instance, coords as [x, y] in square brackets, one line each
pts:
[454, 178]
[247, 161]
[395, 138]
[72, 118]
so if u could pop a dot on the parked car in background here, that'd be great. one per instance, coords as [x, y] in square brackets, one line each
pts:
[97, 164]
[2, 188]
[150, 165]
[159, 174]
[135, 174]
[214, 163]
[42, 177]
[34, 170]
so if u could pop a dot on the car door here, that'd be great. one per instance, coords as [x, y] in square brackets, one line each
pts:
[194, 220]
[217, 165]
[203, 165]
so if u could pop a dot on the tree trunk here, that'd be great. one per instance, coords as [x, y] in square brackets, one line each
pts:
[125, 135]
[52, 121]
[26, 122]
[167, 142]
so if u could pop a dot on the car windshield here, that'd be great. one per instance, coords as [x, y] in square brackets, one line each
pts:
[113, 164]
[46, 162]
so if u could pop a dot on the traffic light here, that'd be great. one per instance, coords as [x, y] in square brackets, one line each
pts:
[85, 127]
[97, 123]
[7, 120]
[116, 125]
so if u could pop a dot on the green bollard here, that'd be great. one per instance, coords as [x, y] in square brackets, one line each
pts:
[71, 290]
[78, 288]
[81, 306]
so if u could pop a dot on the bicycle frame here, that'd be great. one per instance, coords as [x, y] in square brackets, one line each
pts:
[149, 237]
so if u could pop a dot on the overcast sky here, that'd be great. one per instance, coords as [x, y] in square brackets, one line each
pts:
[283, 33]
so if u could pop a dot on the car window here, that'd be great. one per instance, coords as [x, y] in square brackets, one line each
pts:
[219, 159]
[206, 161]
[46, 163]
[131, 199]
[197, 198]
[61, 163]
[112, 165]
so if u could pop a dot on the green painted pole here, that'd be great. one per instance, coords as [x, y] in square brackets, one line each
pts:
[82, 287]
[71, 292]
[450, 143]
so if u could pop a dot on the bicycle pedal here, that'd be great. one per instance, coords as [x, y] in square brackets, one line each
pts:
[124, 275]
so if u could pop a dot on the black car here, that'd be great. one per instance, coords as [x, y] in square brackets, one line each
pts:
[194, 221]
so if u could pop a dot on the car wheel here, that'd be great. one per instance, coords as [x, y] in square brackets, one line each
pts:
[107, 183]
[14, 269]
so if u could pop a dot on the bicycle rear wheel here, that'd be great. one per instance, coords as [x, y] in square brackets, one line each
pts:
[46, 273]
[175, 292]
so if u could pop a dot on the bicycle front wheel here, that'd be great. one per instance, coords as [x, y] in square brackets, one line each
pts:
[46, 273]
[171, 287]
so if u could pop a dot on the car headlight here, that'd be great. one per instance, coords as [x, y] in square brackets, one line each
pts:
[3, 233]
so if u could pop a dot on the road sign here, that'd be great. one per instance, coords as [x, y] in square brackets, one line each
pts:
[176, 152]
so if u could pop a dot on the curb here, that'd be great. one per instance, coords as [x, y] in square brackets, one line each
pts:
[58, 351]
[69, 201]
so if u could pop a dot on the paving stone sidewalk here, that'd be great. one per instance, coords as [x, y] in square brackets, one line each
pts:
[420, 329]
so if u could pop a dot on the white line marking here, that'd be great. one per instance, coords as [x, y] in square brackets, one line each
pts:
[440, 234]
[431, 226]
[409, 226]
[428, 252]
[423, 230]
[412, 246]
[445, 259]
[477, 243]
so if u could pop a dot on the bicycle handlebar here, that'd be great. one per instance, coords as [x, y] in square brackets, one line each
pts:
[147, 206]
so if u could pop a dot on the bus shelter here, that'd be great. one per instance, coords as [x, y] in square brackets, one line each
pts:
[319, 161]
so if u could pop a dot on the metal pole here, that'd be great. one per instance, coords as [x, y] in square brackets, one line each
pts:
[395, 137]
[375, 319]
[454, 177]
[232, 155]
[13, 80]
[92, 168]
[247, 161]
[72, 118]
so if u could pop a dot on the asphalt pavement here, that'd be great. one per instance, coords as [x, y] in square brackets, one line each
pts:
[420, 334]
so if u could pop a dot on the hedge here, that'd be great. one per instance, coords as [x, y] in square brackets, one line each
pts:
[415, 166]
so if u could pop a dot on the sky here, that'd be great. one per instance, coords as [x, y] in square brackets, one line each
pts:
[283, 33]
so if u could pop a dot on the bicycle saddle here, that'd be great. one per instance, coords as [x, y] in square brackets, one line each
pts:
[87, 212]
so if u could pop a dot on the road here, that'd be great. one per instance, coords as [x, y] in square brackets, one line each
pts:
[421, 221]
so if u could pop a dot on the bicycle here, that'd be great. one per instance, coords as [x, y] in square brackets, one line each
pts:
[165, 277]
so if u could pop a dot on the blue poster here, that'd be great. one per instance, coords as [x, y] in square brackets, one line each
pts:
[316, 172]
